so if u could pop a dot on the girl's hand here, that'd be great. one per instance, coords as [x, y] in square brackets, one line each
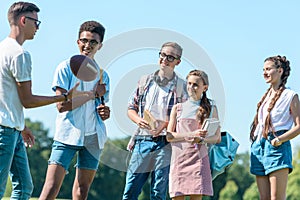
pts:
[200, 133]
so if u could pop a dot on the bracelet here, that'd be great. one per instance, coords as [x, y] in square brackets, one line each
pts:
[202, 140]
[277, 141]
[65, 95]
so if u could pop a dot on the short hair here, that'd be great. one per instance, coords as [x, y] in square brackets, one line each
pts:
[175, 46]
[19, 8]
[93, 27]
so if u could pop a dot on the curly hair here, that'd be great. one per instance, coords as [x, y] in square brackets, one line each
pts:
[279, 62]
[93, 27]
[205, 104]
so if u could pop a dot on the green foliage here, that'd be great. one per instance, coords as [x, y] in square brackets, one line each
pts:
[8, 190]
[251, 193]
[293, 192]
[229, 192]
[38, 155]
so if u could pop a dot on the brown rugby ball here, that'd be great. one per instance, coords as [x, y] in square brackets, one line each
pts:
[83, 67]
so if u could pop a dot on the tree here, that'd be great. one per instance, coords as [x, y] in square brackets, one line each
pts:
[251, 193]
[239, 172]
[293, 192]
[229, 192]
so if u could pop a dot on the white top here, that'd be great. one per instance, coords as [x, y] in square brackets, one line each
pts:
[15, 66]
[73, 126]
[280, 115]
[190, 109]
[157, 101]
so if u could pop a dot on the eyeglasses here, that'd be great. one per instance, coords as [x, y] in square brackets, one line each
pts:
[169, 58]
[91, 42]
[37, 22]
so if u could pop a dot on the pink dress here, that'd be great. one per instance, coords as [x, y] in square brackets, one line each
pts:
[189, 170]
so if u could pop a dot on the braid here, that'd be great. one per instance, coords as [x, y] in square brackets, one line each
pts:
[255, 120]
[279, 62]
[268, 121]
[204, 108]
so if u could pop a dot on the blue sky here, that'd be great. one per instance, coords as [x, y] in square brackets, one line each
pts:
[236, 35]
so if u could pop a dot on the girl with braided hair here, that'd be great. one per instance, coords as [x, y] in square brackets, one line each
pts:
[190, 169]
[276, 122]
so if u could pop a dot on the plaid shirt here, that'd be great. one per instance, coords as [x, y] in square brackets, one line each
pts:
[137, 101]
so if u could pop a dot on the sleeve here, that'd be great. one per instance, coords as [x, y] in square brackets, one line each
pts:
[21, 67]
[134, 100]
[62, 76]
[106, 81]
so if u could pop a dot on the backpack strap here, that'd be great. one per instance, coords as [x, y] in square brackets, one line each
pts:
[179, 89]
[143, 83]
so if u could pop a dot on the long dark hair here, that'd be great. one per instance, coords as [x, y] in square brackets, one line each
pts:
[279, 62]
[205, 104]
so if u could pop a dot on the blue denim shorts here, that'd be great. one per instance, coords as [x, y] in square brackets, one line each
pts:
[265, 158]
[62, 154]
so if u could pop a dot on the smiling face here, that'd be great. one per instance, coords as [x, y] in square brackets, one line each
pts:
[195, 87]
[272, 75]
[168, 58]
[89, 43]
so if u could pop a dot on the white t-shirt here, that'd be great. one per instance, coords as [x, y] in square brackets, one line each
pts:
[15, 66]
[280, 115]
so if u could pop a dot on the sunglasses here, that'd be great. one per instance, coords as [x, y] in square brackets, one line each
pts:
[37, 22]
[169, 58]
[91, 42]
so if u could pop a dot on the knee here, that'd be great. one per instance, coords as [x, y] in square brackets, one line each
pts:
[50, 190]
[81, 191]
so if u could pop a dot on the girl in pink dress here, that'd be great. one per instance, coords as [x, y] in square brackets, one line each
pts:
[189, 170]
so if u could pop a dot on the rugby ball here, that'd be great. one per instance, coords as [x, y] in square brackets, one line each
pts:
[83, 67]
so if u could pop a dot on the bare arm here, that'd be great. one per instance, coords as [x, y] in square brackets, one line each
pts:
[73, 103]
[173, 136]
[295, 112]
[133, 115]
[30, 100]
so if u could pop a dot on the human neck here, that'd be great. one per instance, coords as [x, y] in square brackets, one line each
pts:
[275, 86]
[15, 33]
[167, 73]
[194, 98]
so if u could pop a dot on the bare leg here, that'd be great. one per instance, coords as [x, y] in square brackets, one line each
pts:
[278, 182]
[82, 183]
[54, 178]
[263, 185]
[196, 197]
[178, 198]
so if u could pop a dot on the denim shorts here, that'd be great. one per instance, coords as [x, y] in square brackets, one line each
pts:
[62, 154]
[265, 158]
